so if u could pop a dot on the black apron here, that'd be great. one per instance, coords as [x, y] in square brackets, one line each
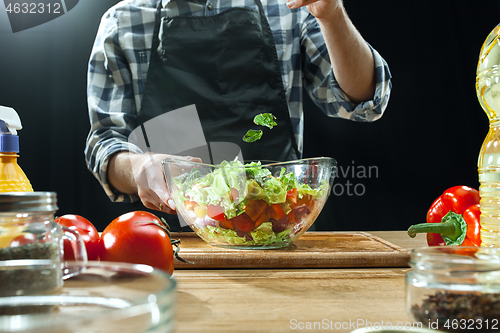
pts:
[227, 66]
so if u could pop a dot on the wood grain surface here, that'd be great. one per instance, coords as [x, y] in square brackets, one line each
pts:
[291, 299]
[312, 250]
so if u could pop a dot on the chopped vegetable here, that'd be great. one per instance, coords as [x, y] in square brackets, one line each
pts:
[252, 135]
[265, 119]
[245, 204]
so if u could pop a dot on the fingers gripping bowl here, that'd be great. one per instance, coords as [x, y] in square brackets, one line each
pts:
[252, 205]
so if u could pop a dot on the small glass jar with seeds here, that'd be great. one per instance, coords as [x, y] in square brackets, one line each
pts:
[455, 288]
[31, 243]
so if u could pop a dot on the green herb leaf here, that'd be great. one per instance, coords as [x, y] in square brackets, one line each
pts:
[252, 135]
[265, 119]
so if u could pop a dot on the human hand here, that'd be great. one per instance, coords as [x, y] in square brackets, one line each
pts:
[321, 9]
[151, 184]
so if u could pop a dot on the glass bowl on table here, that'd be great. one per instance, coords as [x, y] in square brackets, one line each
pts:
[99, 297]
[250, 205]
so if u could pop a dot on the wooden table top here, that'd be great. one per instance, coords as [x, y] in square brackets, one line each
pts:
[294, 299]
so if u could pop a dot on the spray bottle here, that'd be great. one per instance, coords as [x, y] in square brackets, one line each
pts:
[12, 177]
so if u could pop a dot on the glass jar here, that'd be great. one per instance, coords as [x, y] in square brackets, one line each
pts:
[31, 243]
[455, 288]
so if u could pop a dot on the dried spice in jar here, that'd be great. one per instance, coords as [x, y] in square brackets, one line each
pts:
[39, 275]
[455, 288]
[459, 311]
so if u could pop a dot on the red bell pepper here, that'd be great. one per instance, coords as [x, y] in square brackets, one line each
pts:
[452, 219]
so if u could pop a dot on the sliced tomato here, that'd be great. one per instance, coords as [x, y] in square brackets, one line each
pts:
[189, 205]
[276, 212]
[255, 208]
[306, 200]
[227, 224]
[243, 222]
[264, 217]
[292, 196]
[216, 212]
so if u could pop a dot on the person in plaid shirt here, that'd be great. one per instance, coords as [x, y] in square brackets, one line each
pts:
[232, 59]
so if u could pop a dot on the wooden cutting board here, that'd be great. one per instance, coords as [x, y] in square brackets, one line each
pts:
[312, 250]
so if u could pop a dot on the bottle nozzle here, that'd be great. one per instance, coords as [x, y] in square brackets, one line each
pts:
[9, 124]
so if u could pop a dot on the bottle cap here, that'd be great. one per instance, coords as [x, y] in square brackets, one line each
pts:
[9, 124]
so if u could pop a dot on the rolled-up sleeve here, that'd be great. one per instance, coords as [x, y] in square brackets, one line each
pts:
[111, 104]
[323, 88]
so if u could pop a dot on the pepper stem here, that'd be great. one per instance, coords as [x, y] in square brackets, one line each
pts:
[452, 227]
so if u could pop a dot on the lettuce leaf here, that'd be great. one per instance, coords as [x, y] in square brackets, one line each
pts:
[263, 235]
[251, 180]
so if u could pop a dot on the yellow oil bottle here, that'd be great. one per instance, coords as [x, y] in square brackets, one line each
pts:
[12, 177]
[488, 93]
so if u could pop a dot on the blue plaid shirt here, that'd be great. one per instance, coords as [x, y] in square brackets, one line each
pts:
[119, 63]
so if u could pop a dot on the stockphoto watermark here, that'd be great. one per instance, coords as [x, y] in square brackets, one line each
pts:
[351, 179]
[26, 14]
[351, 324]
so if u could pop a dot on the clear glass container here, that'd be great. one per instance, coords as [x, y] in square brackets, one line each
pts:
[455, 288]
[28, 233]
[251, 206]
[103, 297]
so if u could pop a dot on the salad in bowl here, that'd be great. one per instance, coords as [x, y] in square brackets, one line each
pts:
[250, 205]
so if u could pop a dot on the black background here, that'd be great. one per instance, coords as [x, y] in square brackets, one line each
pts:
[428, 139]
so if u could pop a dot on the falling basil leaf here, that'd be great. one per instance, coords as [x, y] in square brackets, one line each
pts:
[252, 135]
[265, 119]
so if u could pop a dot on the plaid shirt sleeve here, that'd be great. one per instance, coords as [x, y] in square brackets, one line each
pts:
[112, 103]
[120, 59]
[320, 83]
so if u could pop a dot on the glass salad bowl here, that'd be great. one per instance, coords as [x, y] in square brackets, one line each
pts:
[104, 297]
[251, 205]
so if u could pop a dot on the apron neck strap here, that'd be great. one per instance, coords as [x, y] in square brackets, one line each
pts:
[160, 5]
[261, 8]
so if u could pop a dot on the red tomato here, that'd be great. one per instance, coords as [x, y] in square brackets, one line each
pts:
[87, 231]
[243, 222]
[216, 212]
[138, 238]
[23, 239]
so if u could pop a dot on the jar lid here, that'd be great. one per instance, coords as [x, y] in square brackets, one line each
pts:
[464, 267]
[28, 202]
